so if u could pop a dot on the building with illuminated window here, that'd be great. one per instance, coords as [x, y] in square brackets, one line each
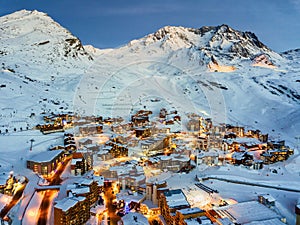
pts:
[45, 163]
[71, 210]
[171, 201]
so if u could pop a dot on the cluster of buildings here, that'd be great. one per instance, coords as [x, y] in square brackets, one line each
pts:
[129, 175]
[156, 147]
[9, 185]
[56, 123]
[82, 195]
[217, 144]
[173, 162]
[175, 209]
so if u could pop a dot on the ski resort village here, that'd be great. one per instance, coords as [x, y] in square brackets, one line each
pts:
[147, 170]
[184, 126]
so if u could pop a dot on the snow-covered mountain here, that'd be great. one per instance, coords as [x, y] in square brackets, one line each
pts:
[220, 72]
[32, 41]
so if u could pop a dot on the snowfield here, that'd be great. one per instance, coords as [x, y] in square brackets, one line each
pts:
[46, 69]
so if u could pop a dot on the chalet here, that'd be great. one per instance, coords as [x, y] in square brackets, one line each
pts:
[78, 121]
[203, 142]
[127, 174]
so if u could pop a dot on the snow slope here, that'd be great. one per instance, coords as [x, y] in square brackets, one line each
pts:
[214, 71]
[223, 73]
[228, 74]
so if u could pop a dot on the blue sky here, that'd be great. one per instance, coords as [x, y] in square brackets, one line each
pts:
[106, 24]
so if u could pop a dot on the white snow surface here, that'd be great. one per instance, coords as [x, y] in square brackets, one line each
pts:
[169, 65]
[46, 69]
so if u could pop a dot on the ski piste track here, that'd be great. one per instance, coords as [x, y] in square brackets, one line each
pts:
[251, 184]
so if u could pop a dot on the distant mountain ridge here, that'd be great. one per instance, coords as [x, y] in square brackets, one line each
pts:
[47, 69]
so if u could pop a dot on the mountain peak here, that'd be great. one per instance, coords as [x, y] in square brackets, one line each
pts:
[33, 37]
[222, 42]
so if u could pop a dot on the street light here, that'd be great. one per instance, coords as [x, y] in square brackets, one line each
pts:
[31, 142]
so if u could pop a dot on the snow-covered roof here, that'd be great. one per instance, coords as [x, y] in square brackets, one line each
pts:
[99, 180]
[266, 222]
[132, 197]
[74, 161]
[80, 191]
[190, 211]
[246, 212]
[193, 221]
[98, 209]
[225, 221]
[176, 198]
[46, 156]
[71, 186]
[83, 140]
[67, 203]
[244, 140]
[107, 147]
[84, 181]
[133, 218]
[91, 146]
[208, 154]
[268, 197]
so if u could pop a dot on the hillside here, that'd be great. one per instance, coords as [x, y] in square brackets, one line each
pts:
[218, 72]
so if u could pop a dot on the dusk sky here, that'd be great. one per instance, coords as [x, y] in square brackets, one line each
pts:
[106, 24]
